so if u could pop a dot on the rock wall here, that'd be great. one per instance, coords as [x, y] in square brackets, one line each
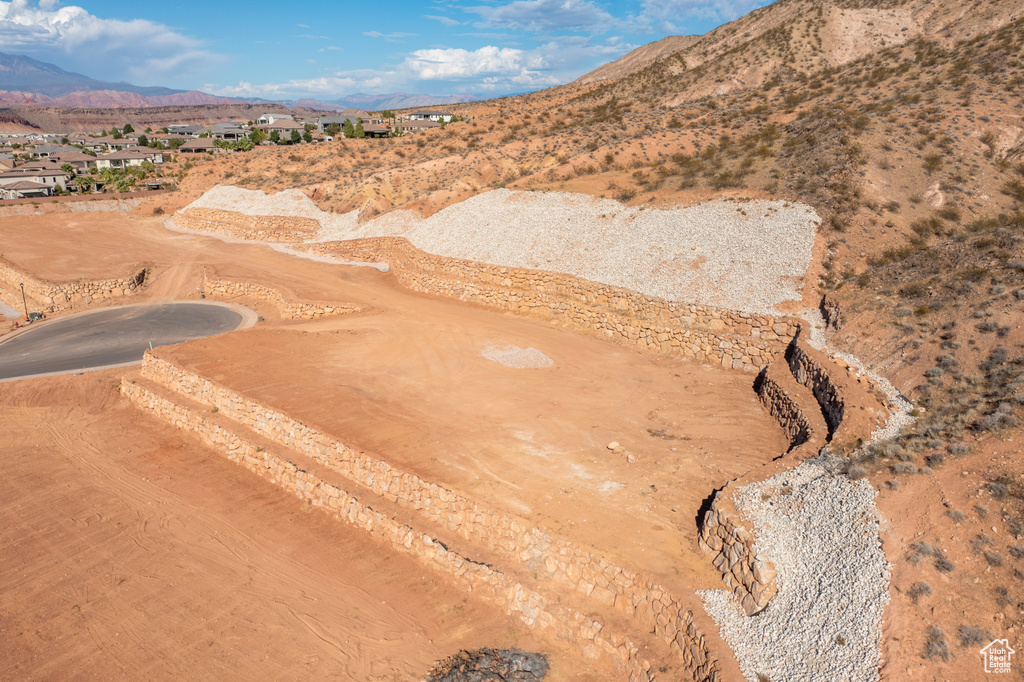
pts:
[727, 338]
[296, 310]
[652, 606]
[250, 227]
[725, 533]
[811, 368]
[492, 585]
[51, 297]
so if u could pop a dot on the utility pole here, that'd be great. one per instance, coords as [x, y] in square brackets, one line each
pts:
[24, 302]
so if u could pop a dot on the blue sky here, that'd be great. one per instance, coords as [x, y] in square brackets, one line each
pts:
[282, 50]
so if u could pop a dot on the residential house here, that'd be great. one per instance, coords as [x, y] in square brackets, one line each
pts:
[6, 162]
[48, 150]
[108, 144]
[227, 130]
[435, 116]
[415, 126]
[129, 157]
[185, 130]
[76, 159]
[284, 127]
[324, 121]
[25, 189]
[269, 119]
[376, 130]
[198, 145]
[54, 179]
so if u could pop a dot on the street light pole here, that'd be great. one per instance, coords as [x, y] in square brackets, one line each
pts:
[23, 301]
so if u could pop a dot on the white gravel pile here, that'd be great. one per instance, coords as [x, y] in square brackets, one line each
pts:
[824, 624]
[518, 358]
[743, 255]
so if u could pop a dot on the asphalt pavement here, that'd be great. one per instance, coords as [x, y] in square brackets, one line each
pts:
[110, 337]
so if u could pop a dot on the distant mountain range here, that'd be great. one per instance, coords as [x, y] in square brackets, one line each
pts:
[28, 82]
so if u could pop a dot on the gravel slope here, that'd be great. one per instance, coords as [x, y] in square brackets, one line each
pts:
[824, 624]
[748, 256]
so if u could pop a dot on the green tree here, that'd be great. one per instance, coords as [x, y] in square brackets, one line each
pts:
[149, 130]
[359, 132]
[308, 128]
[348, 129]
[296, 136]
[175, 142]
[84, 183]
[307, 137]
[257, 137]
[117, 135]
[275, 137]
[143, 141]
[67, 168]
[64, 140]
[332, 129]
[127, 128]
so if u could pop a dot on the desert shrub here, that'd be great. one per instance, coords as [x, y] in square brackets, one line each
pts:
[994, 558]
[936, 646]
[970, 635]
[998, 489]
[944, 565]
[956, 515]
[918, 590]
[981, 510]
[856, 472]
[1017, 551]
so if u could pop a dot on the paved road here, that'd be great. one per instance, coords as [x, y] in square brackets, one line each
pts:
[113, 336]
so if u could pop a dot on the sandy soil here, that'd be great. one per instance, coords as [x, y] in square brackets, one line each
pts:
[405, 380]
[129, 552]
[971, 594]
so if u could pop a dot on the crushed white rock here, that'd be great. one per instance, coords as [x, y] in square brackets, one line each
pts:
[742, 255]
[821, 531]
[516, 357]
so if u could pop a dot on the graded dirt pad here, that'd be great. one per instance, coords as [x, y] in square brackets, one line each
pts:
[128, 552]
[406, 381]
[411, 387]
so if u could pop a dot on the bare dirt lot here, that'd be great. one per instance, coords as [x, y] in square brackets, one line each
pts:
[405, 380]
[131, 552]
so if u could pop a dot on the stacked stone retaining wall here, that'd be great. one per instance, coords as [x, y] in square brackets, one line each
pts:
[725, 533]
[264, 228]
[51, 297]
[814, 370]
[296, 310]
[640, 597]
[585, 632]
[731, 339]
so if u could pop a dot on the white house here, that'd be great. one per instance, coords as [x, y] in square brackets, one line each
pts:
[129, 157]
[268, 119]
[435, 116]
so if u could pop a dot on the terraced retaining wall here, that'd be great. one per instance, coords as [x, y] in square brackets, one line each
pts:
[51, 297]
[651, 605]
[532, 608]
[728, 338]
[724, 533]
[263, 228]
[810, 367]
[290, 309]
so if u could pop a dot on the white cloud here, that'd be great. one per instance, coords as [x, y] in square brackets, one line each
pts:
[396, 37]
[456, 63]
[447, 21]
[137, 48]
[546, 15]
